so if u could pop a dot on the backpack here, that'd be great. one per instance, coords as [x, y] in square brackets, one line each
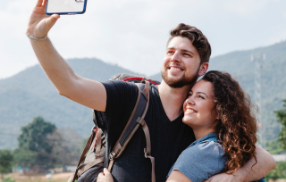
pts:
[96, 154]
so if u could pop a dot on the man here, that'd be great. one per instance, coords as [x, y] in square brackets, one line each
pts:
[186, 58]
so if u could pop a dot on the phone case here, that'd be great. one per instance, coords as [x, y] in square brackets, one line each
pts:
[65, 7]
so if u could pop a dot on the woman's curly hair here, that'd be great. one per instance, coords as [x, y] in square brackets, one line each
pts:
[236, 126]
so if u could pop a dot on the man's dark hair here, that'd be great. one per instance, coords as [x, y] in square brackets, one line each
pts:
[198, 39]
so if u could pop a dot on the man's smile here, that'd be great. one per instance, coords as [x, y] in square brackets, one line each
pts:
[175, 69]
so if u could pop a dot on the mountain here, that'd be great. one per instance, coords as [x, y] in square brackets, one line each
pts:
[30, 94]
[273, 81]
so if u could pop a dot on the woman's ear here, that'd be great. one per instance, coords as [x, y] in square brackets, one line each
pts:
[214, 112]
[217, 116]
[203, 68]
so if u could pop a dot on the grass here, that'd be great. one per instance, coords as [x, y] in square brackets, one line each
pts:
[61, 177]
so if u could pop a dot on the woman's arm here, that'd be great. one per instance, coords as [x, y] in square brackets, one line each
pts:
[265, 163]
[177, 176]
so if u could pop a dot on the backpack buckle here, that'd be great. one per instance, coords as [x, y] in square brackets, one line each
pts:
[111, 155]
[145, 153]
[94, 128]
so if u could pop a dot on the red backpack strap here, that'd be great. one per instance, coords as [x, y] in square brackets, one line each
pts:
[143, 79]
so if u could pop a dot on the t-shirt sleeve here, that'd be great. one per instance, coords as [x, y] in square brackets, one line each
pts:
[121, 99]
[201, 161]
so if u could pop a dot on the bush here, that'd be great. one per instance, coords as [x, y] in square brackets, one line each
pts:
[278, 173]
[8, 180]
[274, 147]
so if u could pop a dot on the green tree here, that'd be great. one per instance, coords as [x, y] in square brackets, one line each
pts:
[65, 150]
[281, 118]
[6, 159]
[34, 148]
[25, 158]
[274, 147]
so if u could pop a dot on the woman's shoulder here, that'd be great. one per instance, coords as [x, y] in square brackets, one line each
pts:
[207, 146]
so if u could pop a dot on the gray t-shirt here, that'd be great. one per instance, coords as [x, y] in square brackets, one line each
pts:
[201, 160]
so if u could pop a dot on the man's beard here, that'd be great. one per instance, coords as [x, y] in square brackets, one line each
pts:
[178, 83]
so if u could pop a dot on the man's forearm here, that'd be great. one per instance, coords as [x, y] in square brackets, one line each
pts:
[56, 68]
[81, 90]
[250, 172]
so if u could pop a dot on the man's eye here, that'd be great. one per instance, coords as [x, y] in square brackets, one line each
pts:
[170, 52]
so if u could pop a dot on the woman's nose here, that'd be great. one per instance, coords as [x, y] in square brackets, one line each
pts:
[190, 100]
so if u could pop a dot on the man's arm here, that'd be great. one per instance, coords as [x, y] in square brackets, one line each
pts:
[265, 163]
[177, 176]
[84, 91]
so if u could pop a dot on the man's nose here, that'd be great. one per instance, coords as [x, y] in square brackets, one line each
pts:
[176, 57]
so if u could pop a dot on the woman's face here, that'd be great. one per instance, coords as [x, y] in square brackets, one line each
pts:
[199, 111]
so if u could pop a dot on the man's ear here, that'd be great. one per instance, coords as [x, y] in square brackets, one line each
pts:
[203, 68]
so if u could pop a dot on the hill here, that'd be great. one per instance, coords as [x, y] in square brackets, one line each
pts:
[30, 93]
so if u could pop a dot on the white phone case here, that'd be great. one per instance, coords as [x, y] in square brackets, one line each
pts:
[65, 7]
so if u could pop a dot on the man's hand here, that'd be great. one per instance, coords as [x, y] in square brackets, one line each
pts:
[223, 177]
[40, 23]
[104, 176]
[81, 90]
[251, 171]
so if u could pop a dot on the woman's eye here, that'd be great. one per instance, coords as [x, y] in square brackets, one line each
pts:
[201, 97]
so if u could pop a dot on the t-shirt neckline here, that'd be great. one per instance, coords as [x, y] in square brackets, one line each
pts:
[162, 109]
[210, 135]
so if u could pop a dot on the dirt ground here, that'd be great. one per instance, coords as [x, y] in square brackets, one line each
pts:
[60, 177]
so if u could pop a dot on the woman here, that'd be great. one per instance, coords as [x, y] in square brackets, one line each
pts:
[219, 113]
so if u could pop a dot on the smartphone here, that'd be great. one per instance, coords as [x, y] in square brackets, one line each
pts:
[65, 7]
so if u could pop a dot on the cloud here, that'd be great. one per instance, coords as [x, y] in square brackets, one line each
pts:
[246, 8]
[13, 45]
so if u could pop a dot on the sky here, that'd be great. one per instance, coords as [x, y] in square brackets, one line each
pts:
[133, 33]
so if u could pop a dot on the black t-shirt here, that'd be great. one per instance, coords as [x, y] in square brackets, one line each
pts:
[168, 138]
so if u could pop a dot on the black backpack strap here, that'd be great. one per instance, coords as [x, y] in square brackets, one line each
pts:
[147, 150]
[136, 119]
